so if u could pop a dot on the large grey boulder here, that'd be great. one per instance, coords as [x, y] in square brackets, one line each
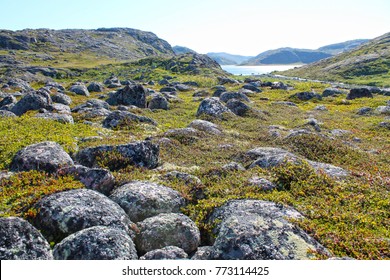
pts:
[238, 107]
[122, 118]
[158, 101]
[95, 87]
[142, 200]
[31, 101]
[166, 253]
[96, 243]
[91, 103]
[359, 93]
[305, 96]
[98, 179]
[141, 154]
[331, 92]
[61, 98]
[64, 213]
[7, 114]
[8, 100]
[44, 156]
[214, 108]
[385, 110]
[251, 87]
[61, 118]
[19, 240]
[79, 89]
[206, 126]
[225, 97]
[267, 157]
[259, 230]
[129, 95]
[167, 230]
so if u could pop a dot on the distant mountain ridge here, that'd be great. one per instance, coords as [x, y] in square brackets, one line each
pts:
[369, 63]
[223, 58]
[342, 47]
[287, 56]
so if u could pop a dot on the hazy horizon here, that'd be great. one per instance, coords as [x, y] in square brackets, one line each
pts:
[247, 28]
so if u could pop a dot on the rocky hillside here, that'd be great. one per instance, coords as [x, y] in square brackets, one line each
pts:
[342, 47]
[367, 64]
[287, 56]
[182, 50]
[228, 59]
[113, 43]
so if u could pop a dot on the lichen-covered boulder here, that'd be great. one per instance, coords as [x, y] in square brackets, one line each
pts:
[205, 126]
[238, 107]
[44, 156]
[226, 96]
[259, 230]
[31, 101]
[96, 243]
[129, 95]
[158, 101]
[142, 200]
[7, 114]
[214, 108]
[98, 179]
[306, 95]
[122, 118]
[19, 240]
[261, 183]
[141, 154]
[79, 89]
[61, 98]
[64, 213]
[95, 87]
[359, 93]
[166, 253]
[61, 118]
[167, 230]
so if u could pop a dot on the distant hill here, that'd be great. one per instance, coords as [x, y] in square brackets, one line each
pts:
[228, 59]
[182, 50]
[342, 47]
[367, 64]
[287, 56]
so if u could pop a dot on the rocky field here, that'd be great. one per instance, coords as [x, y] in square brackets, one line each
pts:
[172, 158]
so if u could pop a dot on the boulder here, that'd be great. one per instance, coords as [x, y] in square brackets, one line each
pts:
[261, 183]
[91, 103]
[31, 101]
[365, 111]
[79, 89]
[251, 87]
[238, 107]
[61, 118]
[19, 85]
[331, 92]
[285, 103]
[19, 240]
[359, 93]
[167, 230]
[98, 179]
[44, 156]
[267, 157]
[166, 253]
[305, 96]
[259, 230]
[61, 214]
[8, 100]
[129, 95]
[203, 253]
[226, 80]
[141, 154]
[60, 108]
[214, 108]
[7, 114]
[96, 243]
[321, 108]
[142, 200]
[158, 101]
[95, 87]
[182, 87]
[55, 85]
[385, 110]
[61, 98]
[233, 166]
[384, 125]
[225, 97]
[205, 126]
[279, 85]
[123, 118]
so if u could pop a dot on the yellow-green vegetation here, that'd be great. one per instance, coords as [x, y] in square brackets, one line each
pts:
[351, 217]
[17, 133]
[20, 191]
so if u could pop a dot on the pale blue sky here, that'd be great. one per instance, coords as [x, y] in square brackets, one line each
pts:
[245, 27]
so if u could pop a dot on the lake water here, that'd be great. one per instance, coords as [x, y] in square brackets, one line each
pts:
[255, 70]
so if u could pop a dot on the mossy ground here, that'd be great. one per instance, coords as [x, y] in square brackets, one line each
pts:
[351, 218]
